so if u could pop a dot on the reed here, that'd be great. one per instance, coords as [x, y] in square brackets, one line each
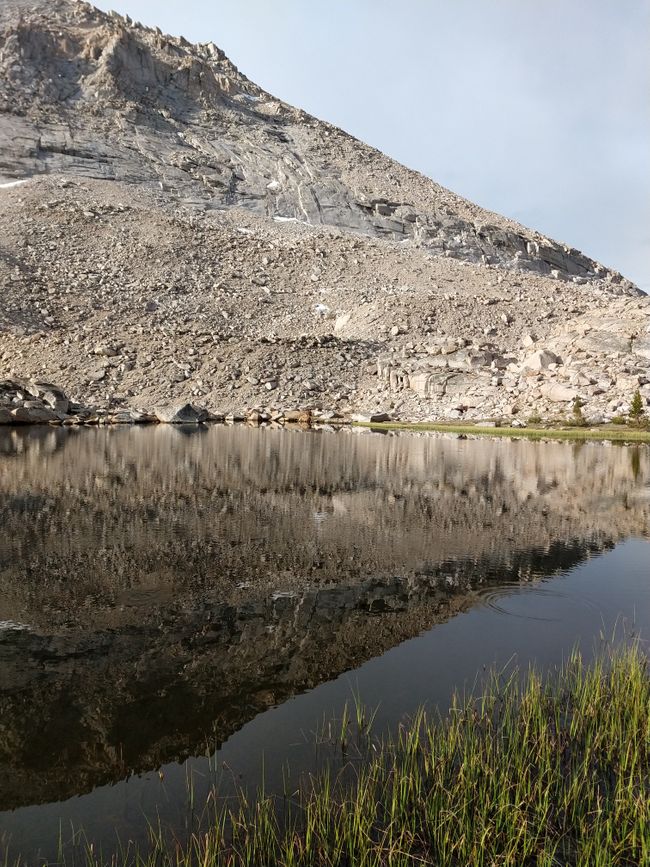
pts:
[551, 772]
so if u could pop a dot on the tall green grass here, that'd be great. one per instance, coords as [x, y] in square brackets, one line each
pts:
[532, 771]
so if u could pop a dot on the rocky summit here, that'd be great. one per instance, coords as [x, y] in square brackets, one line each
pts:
[171, 234]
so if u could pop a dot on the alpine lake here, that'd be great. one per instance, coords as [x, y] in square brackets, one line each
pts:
[185, 612]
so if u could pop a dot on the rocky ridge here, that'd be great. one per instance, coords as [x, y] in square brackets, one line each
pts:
[170, 232]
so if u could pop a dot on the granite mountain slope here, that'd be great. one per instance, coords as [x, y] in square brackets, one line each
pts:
[169, 229]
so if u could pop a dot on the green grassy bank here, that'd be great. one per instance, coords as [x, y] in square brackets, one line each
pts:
[610, 433]
[532, 772]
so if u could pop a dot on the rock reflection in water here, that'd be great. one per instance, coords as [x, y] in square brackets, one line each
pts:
[160, 588]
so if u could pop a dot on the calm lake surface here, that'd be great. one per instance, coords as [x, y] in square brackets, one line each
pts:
[183, 608]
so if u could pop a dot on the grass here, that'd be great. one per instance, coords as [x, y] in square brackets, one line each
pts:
[607, 433]
[546, 772]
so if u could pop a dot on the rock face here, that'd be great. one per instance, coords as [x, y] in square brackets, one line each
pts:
[170, 231]
[135, 105]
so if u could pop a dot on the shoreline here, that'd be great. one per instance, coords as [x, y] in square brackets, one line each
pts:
[605, 433]
[38, 403]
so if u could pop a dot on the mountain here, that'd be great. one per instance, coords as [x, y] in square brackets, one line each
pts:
[170, 230]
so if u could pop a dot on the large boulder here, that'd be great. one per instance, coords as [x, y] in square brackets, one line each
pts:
[185, 413]
[34, 415]
[540, 360]
[53, 395]
[558, 393]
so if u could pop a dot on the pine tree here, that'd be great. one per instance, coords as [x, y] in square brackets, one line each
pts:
[636, 408]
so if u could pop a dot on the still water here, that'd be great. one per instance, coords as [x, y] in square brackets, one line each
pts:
[183, 608]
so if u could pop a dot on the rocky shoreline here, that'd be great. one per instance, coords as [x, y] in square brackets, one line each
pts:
[43, 403]
[35, 402]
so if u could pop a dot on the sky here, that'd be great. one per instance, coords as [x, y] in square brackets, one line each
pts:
[539, 111]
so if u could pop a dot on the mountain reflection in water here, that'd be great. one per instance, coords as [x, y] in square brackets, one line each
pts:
[161, 587]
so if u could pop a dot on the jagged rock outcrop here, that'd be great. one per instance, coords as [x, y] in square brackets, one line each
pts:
[226, 245]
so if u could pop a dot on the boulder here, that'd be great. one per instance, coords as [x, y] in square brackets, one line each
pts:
[185, 413]
[34, 415]
[502, 362]
[5, 416]
[558, 393]
[106, 349]
[297, 416]
[481, 358]
[131, 416]
[56, 401]
[52, 395]
[540, 360]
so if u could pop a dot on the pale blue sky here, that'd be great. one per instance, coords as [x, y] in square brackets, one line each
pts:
[537, 111]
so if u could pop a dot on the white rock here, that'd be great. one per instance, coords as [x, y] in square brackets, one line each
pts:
[341, 321]
[558, 393]
[528, 340]
[540, 360]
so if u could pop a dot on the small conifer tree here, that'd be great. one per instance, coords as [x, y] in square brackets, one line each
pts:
[578, 417]
[637, 410]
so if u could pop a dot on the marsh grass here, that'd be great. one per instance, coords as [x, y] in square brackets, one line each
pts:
[602, 433]
[532, 771]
